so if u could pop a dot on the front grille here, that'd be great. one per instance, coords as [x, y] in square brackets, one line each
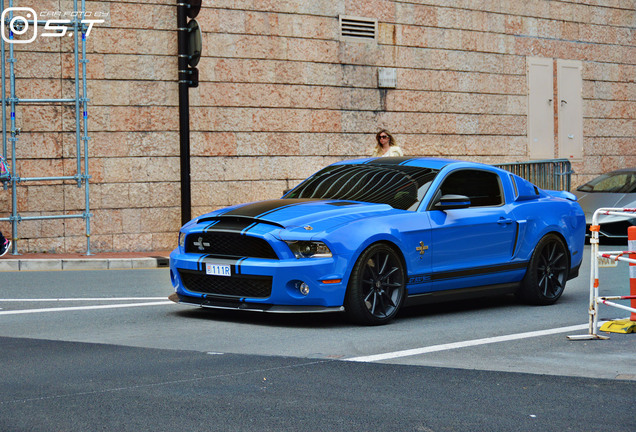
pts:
[235, 286]
[226, 244]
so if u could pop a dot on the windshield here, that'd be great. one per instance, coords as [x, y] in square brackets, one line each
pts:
[617, 182]
[401, 187]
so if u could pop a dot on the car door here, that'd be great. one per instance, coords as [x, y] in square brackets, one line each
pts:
[415, 232]
[472, 245]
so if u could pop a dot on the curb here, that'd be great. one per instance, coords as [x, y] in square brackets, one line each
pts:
[53, 264]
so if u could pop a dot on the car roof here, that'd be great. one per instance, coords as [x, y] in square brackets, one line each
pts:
[632, 170]
[424, 162]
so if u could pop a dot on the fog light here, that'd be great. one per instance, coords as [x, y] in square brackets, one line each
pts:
[303, 288]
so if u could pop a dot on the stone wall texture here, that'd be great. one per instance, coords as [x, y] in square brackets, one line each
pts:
[281, 95]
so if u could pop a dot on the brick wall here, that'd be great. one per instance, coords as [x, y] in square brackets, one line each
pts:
[281, 96]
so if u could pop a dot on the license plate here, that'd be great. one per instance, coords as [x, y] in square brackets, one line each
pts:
[217, 269]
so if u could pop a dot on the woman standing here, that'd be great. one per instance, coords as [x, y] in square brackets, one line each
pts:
[386, 145]
[5, 244]
[5, 175]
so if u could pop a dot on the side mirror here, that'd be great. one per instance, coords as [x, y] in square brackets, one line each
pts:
[450, 202]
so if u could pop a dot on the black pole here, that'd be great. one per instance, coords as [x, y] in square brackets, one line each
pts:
[184, 112]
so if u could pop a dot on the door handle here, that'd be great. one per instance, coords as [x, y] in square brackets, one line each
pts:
[504, 221]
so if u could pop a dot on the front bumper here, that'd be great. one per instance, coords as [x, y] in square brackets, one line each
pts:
[265, 285]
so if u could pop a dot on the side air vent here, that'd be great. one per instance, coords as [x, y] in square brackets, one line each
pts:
[358, 28]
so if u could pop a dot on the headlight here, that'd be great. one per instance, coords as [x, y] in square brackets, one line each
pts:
[181, 239]
[309, 249]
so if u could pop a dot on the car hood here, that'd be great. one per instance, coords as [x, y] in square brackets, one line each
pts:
[590, 202]
[307, 215]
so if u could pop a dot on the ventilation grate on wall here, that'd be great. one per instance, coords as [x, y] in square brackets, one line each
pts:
[358, 28]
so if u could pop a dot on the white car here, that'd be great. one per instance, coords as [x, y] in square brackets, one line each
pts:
[616, 189]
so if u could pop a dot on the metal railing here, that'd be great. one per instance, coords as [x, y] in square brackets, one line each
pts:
[609, 259]
[553, 174]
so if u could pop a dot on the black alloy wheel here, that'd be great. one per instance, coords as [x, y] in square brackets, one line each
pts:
[376, 288]
[547, 272]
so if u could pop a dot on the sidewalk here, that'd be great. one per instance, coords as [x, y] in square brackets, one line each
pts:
[78, 261]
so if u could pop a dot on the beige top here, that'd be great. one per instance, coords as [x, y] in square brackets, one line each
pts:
[392, 151]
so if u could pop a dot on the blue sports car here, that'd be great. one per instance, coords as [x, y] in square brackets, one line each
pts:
[369, 236]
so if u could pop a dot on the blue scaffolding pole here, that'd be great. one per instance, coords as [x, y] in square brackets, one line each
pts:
[10, 132]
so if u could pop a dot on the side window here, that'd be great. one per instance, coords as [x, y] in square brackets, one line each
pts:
[482, 187]
[514, 185]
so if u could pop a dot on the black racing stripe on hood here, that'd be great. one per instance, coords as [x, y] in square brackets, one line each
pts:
[207, 228]
[389, 161]
[229, 224]
[262, 208]
[342, 203]
[234, 223]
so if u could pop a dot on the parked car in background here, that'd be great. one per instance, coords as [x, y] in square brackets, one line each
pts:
[616, 189]
[369, 236]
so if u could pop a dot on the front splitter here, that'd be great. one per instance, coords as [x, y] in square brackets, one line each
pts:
[231, 304]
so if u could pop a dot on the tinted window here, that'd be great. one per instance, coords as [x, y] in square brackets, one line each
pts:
[620, 182]
[399, 186]
[482, 187]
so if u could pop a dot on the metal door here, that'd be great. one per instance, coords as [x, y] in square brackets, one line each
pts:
[540, 108]
[570, 85]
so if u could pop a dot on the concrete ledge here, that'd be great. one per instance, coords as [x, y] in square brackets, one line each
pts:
[119, 263]
[52, 264]
[9, 265]
[40, 264]
[140, 263]
[83, 264]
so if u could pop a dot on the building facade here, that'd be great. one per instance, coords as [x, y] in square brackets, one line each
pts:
[287, 87]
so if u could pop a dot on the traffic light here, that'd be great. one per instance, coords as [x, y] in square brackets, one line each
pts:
[194, 51]
[190, 41]
[189, 46]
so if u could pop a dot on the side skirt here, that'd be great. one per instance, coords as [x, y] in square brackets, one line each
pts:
[461, 294]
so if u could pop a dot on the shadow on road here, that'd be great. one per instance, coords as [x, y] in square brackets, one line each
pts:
[339, 320]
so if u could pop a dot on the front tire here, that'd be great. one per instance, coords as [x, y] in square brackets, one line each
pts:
[547, 273]
[376, 288]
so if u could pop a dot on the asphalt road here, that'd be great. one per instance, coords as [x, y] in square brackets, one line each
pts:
[105, 350]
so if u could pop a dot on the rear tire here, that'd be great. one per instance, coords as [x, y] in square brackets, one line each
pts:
[547, 273]
[376, 288]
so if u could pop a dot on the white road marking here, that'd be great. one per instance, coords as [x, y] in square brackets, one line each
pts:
[81, 299]
[83, 308]
[464, 344]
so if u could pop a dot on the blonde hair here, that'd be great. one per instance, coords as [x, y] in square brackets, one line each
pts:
[377, 150]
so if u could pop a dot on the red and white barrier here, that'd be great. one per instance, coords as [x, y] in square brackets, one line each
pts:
[610, 259]
[631, 244]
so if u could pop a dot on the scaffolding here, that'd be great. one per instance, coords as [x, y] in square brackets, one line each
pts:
[10, 132]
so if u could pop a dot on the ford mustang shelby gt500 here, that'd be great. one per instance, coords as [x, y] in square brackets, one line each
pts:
[368, 236]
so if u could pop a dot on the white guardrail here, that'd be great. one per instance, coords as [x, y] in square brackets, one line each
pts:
[609, 259]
